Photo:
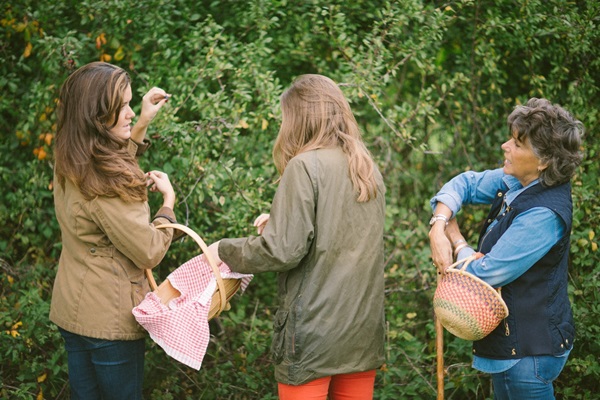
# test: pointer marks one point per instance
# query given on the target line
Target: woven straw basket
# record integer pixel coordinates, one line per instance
(467, 306)
(225, 290)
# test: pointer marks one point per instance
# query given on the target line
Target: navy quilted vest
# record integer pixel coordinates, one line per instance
(540, 320)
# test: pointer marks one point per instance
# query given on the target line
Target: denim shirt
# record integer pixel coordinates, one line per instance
(517, 250)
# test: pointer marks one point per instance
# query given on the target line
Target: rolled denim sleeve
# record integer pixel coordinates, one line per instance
(469, 188)
(530, 236)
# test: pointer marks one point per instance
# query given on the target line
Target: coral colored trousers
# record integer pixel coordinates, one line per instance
(357, 386)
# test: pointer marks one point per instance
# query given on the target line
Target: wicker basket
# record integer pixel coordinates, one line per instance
(225, 290)
(467, 307)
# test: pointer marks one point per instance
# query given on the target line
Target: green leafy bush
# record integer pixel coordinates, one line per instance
(431, 84)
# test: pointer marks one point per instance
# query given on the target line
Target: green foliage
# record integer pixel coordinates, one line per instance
(431, 84)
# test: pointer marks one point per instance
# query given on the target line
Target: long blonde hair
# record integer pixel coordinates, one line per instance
(86, 152)
(316, 115)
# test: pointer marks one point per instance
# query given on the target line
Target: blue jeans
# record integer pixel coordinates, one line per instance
(104, 369)
(530, 379)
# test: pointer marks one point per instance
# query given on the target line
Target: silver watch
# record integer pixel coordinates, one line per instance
(438, 217)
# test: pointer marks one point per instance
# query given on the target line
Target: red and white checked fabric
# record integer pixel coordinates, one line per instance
(181, 327)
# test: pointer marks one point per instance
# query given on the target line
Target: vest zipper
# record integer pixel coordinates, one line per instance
(485, 236)
(506, 208)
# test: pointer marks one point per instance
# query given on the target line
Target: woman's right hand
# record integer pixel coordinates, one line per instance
(441, 248)
(261, 222)
(213, 249)
(159, 182)
(152, 102)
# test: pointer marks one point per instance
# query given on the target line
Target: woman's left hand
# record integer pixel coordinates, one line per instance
(159, 182)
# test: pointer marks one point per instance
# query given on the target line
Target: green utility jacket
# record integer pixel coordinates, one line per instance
(328, 250)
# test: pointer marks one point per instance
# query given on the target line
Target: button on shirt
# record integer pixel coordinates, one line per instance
(530, 236)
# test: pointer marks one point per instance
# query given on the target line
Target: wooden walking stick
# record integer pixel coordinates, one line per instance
(439, 347)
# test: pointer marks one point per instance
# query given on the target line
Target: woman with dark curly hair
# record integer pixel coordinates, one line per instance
(525, 244)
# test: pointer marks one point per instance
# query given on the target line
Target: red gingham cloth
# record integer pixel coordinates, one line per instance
(181, 327)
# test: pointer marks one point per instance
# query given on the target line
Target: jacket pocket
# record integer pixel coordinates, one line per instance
(137, 293)
(564, 338)
(278, 343)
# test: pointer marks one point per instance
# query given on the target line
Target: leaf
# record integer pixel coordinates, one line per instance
(119, 54)
(100, 40)
(27, 51)
(42, 377)
(20, 27)
(41, 155)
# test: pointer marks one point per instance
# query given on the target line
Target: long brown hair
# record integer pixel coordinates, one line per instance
(86, 152)
(317, 115)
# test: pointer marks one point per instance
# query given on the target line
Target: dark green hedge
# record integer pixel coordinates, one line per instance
(431, 84)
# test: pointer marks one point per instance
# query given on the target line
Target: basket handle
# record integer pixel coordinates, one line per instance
(209, 257)
(466, 261)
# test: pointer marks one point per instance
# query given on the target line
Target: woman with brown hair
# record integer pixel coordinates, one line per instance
(100, 196)
(324, 236)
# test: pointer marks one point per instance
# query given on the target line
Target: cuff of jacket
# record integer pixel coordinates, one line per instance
(141, 147)
(165, 213)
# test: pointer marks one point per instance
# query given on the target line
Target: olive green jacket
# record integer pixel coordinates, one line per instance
(328, 250)
(106, 244)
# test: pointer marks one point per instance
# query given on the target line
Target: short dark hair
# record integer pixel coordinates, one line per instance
(554, 135)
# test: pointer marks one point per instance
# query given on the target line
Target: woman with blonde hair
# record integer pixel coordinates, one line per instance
(100, 196)
(324, 236)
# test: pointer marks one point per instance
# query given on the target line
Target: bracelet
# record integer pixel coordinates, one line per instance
(438, 217)
(459, 248)
(459, 241)
(171, 220)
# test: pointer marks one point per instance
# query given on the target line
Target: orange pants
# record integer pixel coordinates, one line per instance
(357, 386)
